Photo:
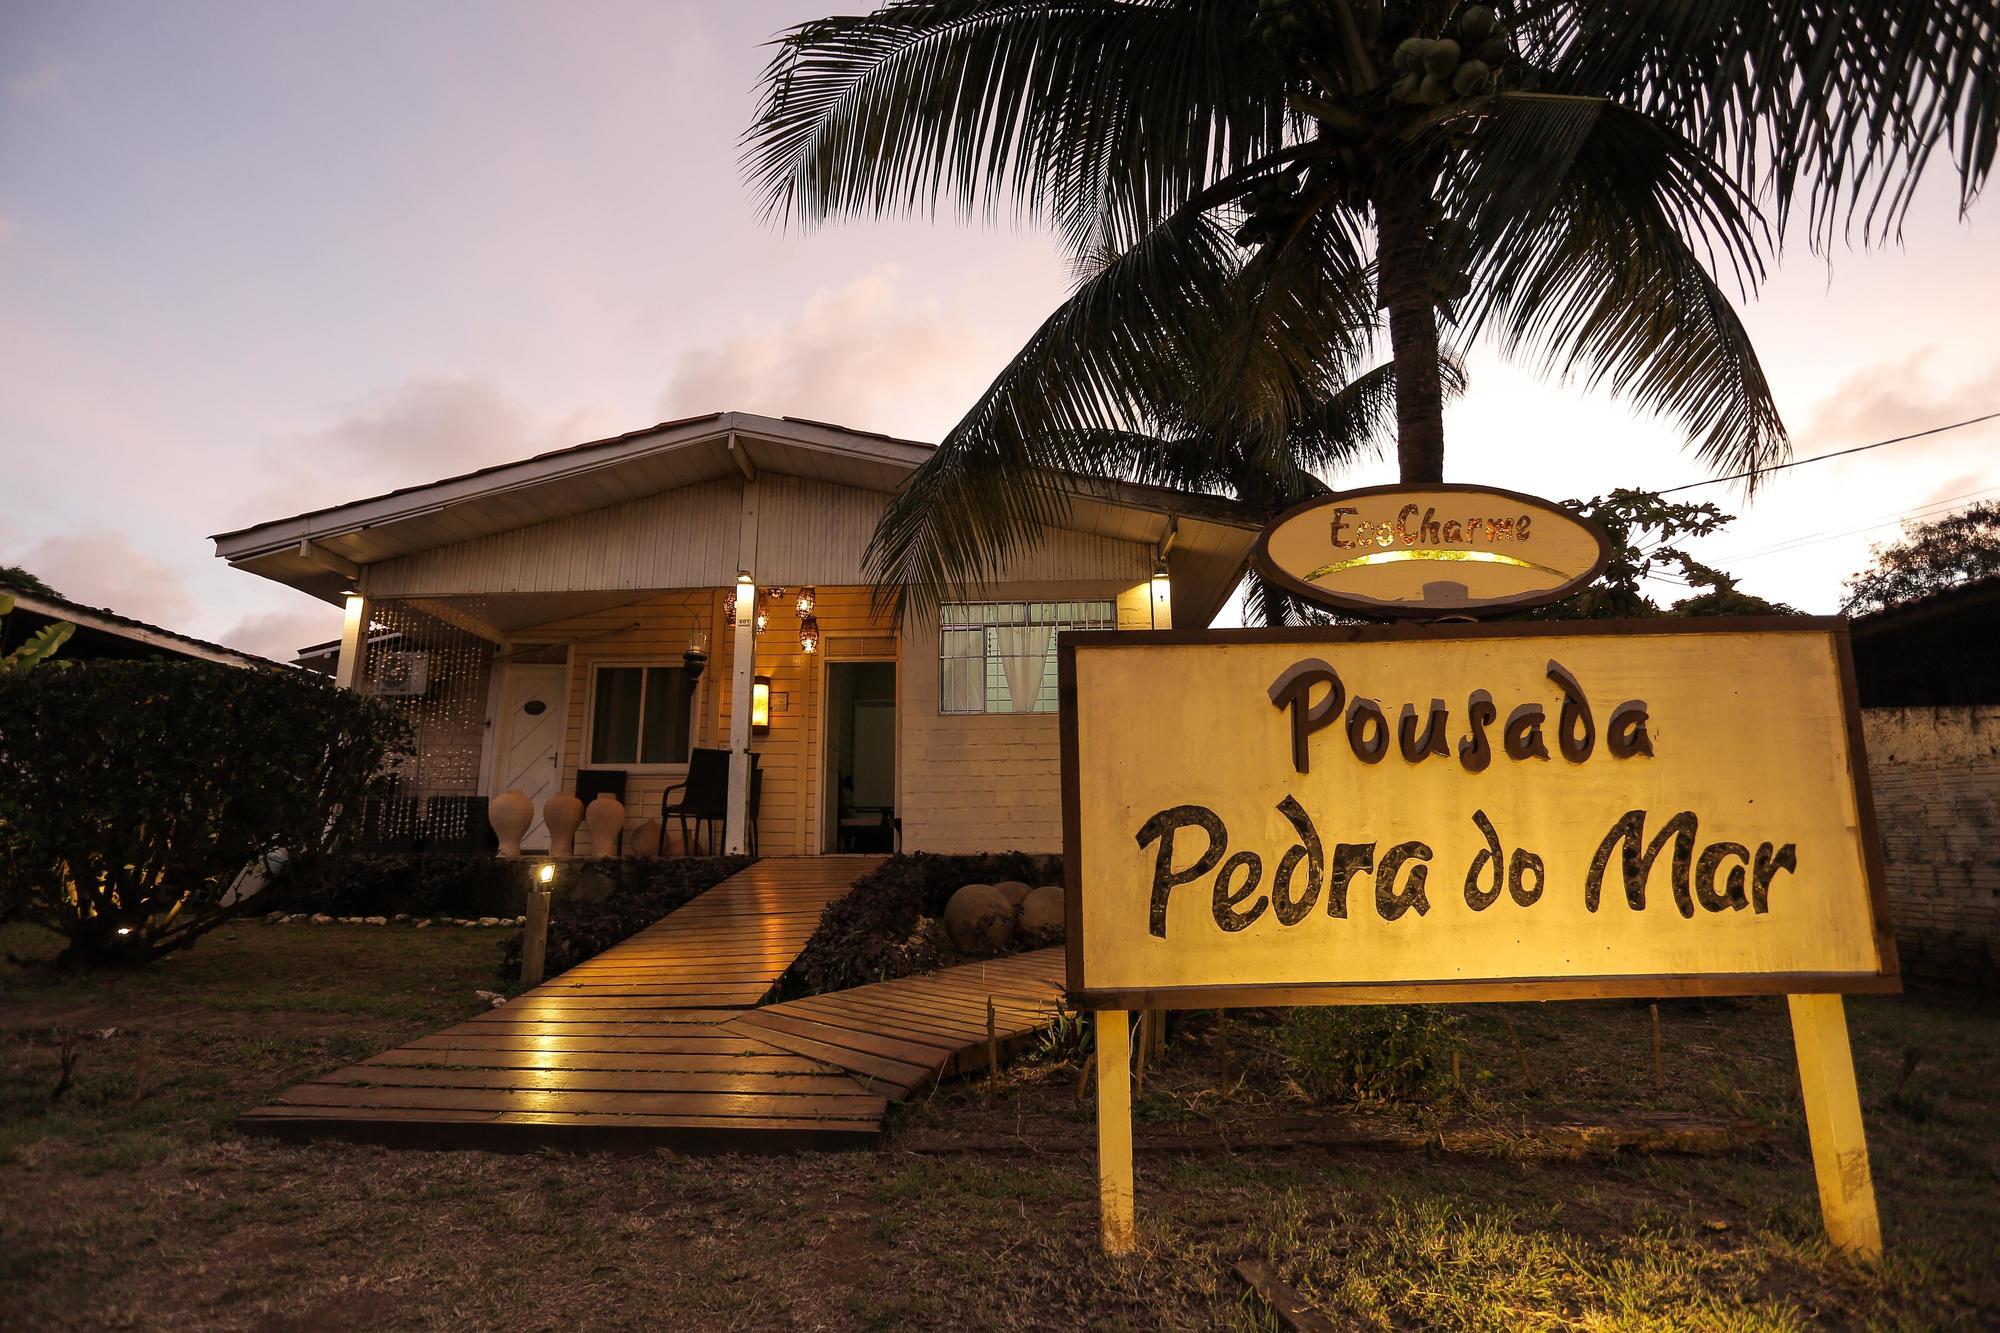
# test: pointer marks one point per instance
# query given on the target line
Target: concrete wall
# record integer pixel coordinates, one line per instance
(1936, 777)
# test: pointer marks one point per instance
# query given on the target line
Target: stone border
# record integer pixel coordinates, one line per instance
(400, 919)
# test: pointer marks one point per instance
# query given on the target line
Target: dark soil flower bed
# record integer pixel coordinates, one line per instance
(886, 926)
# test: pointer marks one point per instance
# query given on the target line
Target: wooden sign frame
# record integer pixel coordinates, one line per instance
(1832, 1101)
(1272, 571)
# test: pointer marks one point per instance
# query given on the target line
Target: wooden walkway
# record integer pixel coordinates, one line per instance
(897, 1036)
(657, 1042)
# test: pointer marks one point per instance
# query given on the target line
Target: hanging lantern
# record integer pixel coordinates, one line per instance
(729, 620)
(808, 598)
(809, 633)
(763, 620)
(775, 592)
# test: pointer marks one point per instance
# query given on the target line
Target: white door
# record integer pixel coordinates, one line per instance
(531, 738)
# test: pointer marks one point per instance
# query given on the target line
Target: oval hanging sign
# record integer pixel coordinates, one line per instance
(1411, 551)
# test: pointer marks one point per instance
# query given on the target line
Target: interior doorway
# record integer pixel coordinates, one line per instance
(860, 786)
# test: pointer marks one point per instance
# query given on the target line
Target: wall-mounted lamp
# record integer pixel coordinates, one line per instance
(809, 633)
(1162, 599)
(808, 599)
(695, 656)
(760, 706)
(740, 607)
(547, 875)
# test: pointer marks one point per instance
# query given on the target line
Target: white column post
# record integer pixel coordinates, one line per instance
(742, 667)
(350, 670)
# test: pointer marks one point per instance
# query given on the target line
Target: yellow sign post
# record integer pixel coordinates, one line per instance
(1435, 813)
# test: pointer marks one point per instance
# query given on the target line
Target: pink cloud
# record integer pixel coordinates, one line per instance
(100, 568)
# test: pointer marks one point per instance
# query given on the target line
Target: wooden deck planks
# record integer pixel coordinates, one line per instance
(658, 1041)
(898, 1033)
(629, 1050)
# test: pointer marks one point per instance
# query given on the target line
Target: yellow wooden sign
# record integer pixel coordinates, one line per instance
(1425, 551)
(1436, 813)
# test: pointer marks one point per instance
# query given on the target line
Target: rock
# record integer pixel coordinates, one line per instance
(489, 920)
(1041, 917)
(400, 918)
(424, 924)
(520, 921)
(979, 918)
(273, 918)
(321, 919)
(375, 920)
(1015, 891)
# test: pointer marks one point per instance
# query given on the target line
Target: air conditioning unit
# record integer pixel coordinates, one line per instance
(402, 673)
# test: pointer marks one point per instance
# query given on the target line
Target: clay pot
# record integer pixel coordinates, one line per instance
(562, 813)
(510, 813)
(646, 839)
(1040, 917)
(979, 919)
(1014, 889)
(606, 816)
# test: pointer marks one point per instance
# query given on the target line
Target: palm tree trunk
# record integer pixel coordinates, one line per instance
(1401, 237)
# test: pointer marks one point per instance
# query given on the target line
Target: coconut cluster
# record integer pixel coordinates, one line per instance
(1437, 69)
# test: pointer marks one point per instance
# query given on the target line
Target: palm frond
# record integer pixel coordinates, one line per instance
(1102, 115)
(1834, 106)
(1592, 231)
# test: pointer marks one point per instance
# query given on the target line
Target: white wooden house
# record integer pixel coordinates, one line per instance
(538, 616)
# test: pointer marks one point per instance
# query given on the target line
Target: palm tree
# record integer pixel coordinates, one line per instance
(1570, 176)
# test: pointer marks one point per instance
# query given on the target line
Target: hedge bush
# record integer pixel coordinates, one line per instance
(872, 932)
(134, 795)
(586, 917)
(385, 883)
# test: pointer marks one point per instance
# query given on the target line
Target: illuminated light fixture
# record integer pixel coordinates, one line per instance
(763, 620)
(695, 656)
(729, 620)
(809, 633)
(776, 592)
(124, 930)
(760, 706)
(746, 599)
(1397, 557)
(1162, 591)
(547, 874)
(808, 599)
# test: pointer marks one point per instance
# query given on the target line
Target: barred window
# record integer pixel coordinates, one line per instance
(1000, 657)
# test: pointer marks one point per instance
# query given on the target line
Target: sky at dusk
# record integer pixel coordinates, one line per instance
(258, 258)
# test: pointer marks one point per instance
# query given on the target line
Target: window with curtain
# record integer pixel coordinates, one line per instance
(639, 715)
(1000, 657)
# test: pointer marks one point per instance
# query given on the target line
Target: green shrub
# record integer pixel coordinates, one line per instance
(1369, 1053)
(599, 903)
(134, 795)
(872, 932)
(386, 883)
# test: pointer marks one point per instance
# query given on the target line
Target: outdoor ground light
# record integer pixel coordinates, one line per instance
(760, 706)
(809, 633)
(547, 874)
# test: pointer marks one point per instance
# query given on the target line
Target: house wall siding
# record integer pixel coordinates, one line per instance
(1936, 779)
(987, 782)
(964, 783)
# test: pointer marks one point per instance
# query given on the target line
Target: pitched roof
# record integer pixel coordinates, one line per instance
(108, 622)
(320, 550)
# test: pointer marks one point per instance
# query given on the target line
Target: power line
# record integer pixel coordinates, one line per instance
(1928, 510)
(1838, 453)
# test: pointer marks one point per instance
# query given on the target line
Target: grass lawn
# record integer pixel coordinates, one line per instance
(131, 1202)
